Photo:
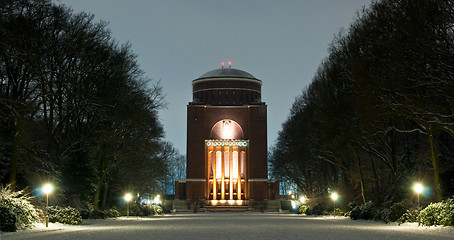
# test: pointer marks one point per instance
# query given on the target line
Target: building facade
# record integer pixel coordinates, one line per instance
(226, 141)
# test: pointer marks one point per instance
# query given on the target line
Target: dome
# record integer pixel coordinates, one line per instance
(226, 87)
(227, 72)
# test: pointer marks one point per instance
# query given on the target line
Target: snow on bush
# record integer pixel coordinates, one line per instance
(16, 211)
(112, 213)
(364, 211)
(440, 213)
(67, 215)
(410, 216)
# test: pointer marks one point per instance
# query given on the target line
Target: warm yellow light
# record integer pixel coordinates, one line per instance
(239, 202)
(418, 188)
(293, 196)
(334, 196)
(227, 130)
(47, 188)
(231, 202)
(157, 200)
(214, 202)
(303, 199)
(128, 197)
(222, 201)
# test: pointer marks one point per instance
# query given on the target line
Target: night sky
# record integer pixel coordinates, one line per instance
(280, 42)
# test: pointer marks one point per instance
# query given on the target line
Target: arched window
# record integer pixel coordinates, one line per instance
(226, 129)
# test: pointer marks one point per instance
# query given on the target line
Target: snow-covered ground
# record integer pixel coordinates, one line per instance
(232, 226)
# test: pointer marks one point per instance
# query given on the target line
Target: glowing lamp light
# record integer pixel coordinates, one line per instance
(418, 188)
(157, 200)
(128, 197)
(303, 199)
(334, 196)
(47, 188)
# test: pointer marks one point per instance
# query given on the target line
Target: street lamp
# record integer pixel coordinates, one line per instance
(127, 198)
(157, 200)
(418, 188)
(334, 197)
(47, 188)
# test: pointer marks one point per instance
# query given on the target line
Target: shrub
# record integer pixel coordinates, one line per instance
(8, 222)
(303, 209)
(112, 213)
(396, 211)
(17, 205)
(441, 213)
(66, 215)
(316, 209)
(411, 215)
(98, 214)
(85, 213)
(157, 210)
(365, 211)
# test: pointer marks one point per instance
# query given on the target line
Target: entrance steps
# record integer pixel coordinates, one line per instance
(227, 208)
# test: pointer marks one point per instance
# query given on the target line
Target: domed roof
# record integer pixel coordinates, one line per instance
(227, 72)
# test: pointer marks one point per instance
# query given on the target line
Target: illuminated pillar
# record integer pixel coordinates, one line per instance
(238, 194)
(230, 174)
(215, 193)
(222, 175)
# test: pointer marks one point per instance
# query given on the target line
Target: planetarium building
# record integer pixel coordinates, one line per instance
(226, 144)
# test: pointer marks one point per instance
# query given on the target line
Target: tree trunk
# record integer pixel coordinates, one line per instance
(363, 192)
(97, 194)
(376, 182)
(434, 159)
(14, 155)
(104, 195)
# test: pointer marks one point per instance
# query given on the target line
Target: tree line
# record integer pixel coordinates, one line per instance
(379, 112)
(76, 109)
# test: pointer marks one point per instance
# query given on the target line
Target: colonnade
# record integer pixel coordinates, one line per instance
(226, 172)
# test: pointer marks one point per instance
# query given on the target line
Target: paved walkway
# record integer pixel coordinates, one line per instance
(232, 226)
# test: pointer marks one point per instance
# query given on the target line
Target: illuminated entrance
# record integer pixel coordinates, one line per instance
(227, 163)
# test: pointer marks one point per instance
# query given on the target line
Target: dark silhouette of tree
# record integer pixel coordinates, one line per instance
(75, 106)
(379, 108)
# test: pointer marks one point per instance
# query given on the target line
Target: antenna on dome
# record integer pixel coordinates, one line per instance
(230, 64)
(222, 65)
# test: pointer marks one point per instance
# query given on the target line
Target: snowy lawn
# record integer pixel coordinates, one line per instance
(232, 226)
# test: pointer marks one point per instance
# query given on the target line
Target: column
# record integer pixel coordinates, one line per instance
(238, 158)
(223, 174)
(213, 160)
(230, 173)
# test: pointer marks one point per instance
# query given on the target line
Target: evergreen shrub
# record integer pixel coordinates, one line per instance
(440, 213)
(15, 207)
(364, 211)
(112, 213)
(67, 215)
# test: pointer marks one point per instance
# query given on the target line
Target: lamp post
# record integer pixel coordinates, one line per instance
(127, 198)
(47, 188)
(418, 188)
(334, 197)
